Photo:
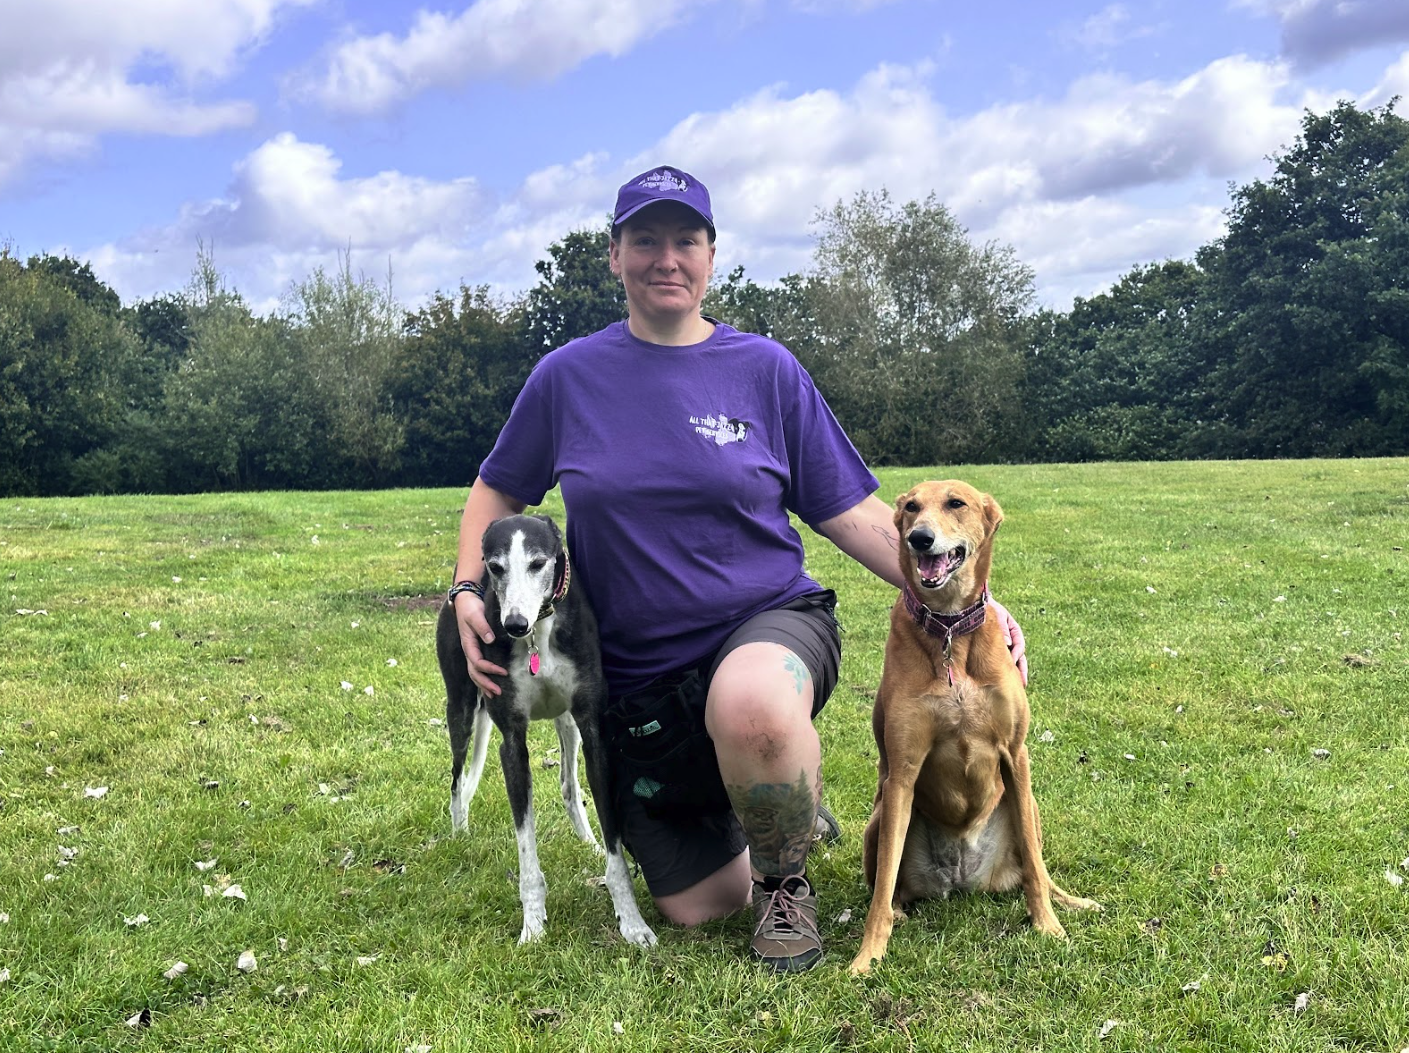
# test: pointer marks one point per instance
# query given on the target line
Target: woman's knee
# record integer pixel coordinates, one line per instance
(723, 893)
(758, 697)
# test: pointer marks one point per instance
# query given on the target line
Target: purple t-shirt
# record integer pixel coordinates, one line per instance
(678, 467)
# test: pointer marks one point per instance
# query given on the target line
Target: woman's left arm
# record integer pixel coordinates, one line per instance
(866, 533)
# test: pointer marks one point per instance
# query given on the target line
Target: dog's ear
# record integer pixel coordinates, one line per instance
(992, 514)
(899, 516)
(553, 526)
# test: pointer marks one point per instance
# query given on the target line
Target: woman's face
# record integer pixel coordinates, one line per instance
(664, 259)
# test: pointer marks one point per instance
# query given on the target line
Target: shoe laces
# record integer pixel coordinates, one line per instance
(785, 914)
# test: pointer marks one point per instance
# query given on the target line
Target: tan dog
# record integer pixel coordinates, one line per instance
(954, 808)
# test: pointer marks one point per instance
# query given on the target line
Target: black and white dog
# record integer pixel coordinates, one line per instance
(545, 635)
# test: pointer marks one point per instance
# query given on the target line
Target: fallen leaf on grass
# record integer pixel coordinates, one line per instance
(1357, 661)
(4, 976)
(617, 1029)
(142, 1019)
(135, 921)
(1393, 878)
(95, 792)
(844, 916)
(1219, 870)
(246, 962)
(206, 864)
(1107, 1028)
(177, 969)
(367, 959)
(4, 918)
(1192, 987)
(1302, 1000)
(234, 892)
(1321, 754)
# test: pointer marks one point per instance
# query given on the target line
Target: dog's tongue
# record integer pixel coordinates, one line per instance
(934, 567)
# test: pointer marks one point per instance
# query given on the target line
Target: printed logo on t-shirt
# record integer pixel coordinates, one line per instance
(722, 428)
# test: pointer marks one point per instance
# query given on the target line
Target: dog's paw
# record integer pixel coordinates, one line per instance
(532, 929)
(639, 934)
(1050, 926)
(861, 964)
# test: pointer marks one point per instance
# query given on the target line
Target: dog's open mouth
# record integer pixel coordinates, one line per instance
(935, 570)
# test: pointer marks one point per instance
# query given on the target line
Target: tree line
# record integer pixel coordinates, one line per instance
(1286, 337)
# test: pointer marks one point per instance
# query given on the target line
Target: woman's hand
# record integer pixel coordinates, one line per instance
(474, 627)
(1012, 636)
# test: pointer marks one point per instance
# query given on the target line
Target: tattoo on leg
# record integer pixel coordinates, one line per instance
(777, 819)
(795, 665)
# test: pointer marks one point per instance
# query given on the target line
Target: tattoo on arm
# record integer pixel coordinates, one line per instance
(891, 538)
(777, 819)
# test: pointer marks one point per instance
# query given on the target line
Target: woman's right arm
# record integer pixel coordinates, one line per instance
(484, 505)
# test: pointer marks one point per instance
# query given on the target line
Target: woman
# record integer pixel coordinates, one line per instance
(681, 445)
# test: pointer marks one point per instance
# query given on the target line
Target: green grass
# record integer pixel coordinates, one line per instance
(1196, 631)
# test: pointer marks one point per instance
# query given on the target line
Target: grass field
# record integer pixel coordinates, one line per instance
(205, 693)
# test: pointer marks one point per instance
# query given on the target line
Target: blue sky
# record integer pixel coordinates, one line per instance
(454, 144)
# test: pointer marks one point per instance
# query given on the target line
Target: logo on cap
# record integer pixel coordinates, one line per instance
(664, 179)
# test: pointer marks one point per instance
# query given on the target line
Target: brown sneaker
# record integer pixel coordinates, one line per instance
(825, 830)
(785, 936)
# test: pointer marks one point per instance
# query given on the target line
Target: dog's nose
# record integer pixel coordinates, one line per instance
(921, 539)
(516, 625)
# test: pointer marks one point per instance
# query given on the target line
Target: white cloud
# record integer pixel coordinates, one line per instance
(1083, 187)
(1009, 173)
(289, 210)
(1395, 82)
(72, 70)
(1108, 28)
(518, 39)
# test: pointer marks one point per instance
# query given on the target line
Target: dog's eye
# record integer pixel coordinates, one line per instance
(912, 506)
(956, 502)
(495, 568)
(536, 565)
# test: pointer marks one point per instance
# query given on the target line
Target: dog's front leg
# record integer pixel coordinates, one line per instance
(518, 783)
(1037, 884)
(895, 799)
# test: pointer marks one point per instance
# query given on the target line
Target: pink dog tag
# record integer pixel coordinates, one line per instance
(533, 662)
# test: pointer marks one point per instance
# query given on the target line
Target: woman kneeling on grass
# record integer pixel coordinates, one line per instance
(680, 445)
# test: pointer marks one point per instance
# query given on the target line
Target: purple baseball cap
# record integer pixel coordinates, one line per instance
(662, 184)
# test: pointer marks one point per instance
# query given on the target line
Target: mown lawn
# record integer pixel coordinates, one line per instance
(208, 692)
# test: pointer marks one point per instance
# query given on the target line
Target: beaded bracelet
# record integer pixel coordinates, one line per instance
(464, 586)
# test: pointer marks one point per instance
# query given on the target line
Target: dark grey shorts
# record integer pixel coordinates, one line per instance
(680, 851)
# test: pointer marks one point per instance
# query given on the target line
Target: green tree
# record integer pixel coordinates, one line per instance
(243, 410)
(1308, 305)
(457, 374)
(1120, 376)
(576, 294)
(915, 338)
(62, 352)
(348, 333)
